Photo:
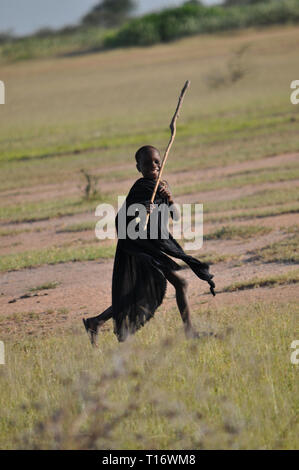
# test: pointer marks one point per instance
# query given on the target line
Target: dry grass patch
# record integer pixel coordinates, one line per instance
(158, 391)
(291, 277)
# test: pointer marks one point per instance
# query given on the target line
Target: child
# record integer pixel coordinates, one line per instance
(142, 267)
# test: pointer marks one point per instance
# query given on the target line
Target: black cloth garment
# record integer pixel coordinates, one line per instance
(140, 265)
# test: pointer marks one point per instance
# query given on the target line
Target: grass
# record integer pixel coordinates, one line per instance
(253, 177)
(55, 255)
(261, 198)
(284, 251)
(52, 44)
(256, 214)
(212, 131)
(79, 227)
(211, 257)
(158, 391)
(231, 232)
(291, 277)
(214, 257)
(37, 211)
(67, 132)
(11, 232)
(45, 286)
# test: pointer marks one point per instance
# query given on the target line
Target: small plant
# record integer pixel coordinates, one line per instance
(63, 311)
(46, 286)
(236, 70)
(236, 66)
(90, 189)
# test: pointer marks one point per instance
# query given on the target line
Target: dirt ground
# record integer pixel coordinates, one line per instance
(84, 288)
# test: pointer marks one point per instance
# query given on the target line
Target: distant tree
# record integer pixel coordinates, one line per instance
(244, 2)
(6, 36)
(193, 2)
(109, 13)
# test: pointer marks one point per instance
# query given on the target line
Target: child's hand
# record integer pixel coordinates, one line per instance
(164, 190)
(149, 207)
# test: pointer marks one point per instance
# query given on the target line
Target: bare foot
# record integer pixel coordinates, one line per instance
(91, 330)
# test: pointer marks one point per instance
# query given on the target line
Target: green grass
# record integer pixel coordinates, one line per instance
(90, 125)
(45, 286)
(158, 391)
(253, 177)
(214, 257)
(258, 199)
(55, 44)
(35, 211)
(212, 131)
(18, 318)
(256, 214)
(291, 277)
(284, 251)
(231, 232)
(55, 255)
(79, 227)
(211, 257)
(11, 232)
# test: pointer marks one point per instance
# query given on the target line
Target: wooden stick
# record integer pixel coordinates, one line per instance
(173, 133)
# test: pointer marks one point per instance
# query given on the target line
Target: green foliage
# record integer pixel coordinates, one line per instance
(167, 25)
(109, 13)
(244, 2)
(192, 18)
(51, 43)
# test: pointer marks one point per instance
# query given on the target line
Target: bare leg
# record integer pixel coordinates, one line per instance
(93, 324)
(180, 284)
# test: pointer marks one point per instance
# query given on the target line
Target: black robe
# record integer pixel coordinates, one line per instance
(138, 281)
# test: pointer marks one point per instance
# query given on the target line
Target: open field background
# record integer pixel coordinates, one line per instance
(236, 152)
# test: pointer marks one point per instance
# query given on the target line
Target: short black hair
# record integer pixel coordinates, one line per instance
(145, 150)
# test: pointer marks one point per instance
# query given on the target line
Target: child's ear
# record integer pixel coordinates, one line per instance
(137, 166)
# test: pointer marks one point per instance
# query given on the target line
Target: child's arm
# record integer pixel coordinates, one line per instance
(165, 192)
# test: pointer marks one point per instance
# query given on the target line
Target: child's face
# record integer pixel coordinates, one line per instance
(150, 165)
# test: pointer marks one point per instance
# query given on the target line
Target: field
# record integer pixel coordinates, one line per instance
(236, 152)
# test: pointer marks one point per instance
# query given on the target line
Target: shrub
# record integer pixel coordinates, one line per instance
(190, 18)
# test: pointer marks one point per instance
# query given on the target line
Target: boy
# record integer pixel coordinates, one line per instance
(142, 267)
